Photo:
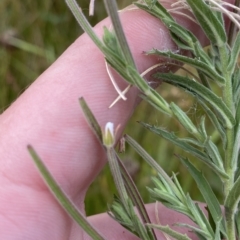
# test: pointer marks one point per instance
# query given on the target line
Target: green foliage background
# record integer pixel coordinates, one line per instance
(46, 29)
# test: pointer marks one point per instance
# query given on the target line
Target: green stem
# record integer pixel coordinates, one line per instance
(229, 166)
(230, 224)
(83, 22)
(117, 176)
(111, 7)
(228, 99)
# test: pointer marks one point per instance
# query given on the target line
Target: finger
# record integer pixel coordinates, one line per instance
(48, 116)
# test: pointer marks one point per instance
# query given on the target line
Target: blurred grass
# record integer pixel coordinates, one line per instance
(41, 33)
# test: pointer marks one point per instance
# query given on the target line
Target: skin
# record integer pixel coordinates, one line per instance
(48, 116)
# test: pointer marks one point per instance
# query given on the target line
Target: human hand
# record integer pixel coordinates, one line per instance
(47, 116)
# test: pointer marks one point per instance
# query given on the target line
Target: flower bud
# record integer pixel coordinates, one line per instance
(109, 135)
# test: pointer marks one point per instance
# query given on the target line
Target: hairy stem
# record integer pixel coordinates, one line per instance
(229, 166)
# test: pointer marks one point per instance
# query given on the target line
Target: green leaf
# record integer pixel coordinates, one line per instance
(117, 64)
(237, 220)
(164, 193)
(117, 177)
(112, 10)
(214, 154)
(205, 220)
(202, 92)
(234, 54)
(162, 185)
(195, 62)
(197, 215)
(164, 197)
(233, 198)
(206, 190)
(157, 10)
(157, 101)
(126, 218)
(135, 196)
(62, 198)
(118, 212)
(187, 40)
(202, 129)
(151, 94)
(196, 230)
(91, 120)
(236, 85)
(166, 229)
(151, 162)
(235, 151)
(83, 22)
(213, 28)
(185, 121)
(180, 35)
(214, 121)
(110, 41)
(187, 148)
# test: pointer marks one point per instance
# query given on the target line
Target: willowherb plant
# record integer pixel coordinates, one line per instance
(217, 68)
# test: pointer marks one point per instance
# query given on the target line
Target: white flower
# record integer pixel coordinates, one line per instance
(109, 135)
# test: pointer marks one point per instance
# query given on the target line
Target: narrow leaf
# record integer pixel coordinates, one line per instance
(213, 28)
(118, 212)
(110, 41)
(196, 214)
(83, 22)
(206, 190)
(234, 54)
(196, 230)
(233, 198)
(201, 91)
(117, 177)
(187, 148)
(135, 195)
(185, 121)
(236, 85)
(62, 198)
(157, 102)
(91, 120)
(164, 197)
(237, 138)
(157, 10)
(214, 154)
(151, 162)
(205, 220)
(237, 220)
(214, 121)
(112, 10)
(195, 62)
(166, 229)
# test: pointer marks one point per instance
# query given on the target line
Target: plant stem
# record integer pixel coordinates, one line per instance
(117, 176)
(228, 99)
(229, 166)
(83, 22)
(112, 10)
(230, 224)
